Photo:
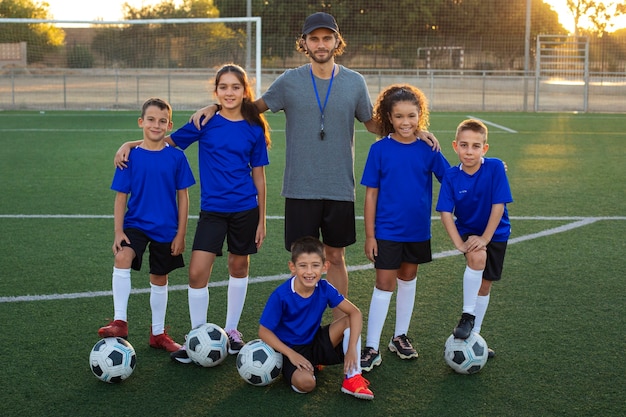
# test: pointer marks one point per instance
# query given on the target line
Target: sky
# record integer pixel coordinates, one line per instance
(112, 10)
(93, 9)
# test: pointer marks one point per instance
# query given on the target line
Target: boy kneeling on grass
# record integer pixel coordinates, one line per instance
(291, 324)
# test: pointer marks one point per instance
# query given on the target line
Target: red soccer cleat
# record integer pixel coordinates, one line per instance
(358, 387)
(164, 341)
(115, 328)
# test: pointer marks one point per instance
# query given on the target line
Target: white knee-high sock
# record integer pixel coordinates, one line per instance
(158, 304)
(482, 302)
(198, 299)
(237, 289)
(346, 344)
(471, 284)
(120, 283)
(379, 306)
(405, 301)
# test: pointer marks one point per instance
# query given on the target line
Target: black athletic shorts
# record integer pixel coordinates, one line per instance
(392, 254)
(319, 352)
(495, 259)
(161, 260)
(238, 228)
(333, 219)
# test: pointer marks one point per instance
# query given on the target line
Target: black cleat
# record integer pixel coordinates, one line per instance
(463, 330)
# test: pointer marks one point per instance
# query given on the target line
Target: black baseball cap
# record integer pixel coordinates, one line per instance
(319, 20)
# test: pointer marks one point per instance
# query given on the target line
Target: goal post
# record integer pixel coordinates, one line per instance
(562, 62)
(109, 64)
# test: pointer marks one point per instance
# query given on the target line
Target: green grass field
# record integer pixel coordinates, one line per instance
(554, 319)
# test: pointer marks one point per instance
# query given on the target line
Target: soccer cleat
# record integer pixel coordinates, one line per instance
(180, 356)
(115, 328)
(402, 346)
(490, 353)
(164, 341)
(357, 386)
(465, 326)
(370, 358)
(235, 341)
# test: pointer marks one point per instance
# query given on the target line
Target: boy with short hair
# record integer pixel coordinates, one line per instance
(151, 210)
(291, 324)
(476, 191)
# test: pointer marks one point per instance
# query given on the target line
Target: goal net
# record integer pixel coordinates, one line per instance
(49, 64)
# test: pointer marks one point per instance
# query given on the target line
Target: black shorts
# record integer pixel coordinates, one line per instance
(334, 219)
(392, 254)
(161, 260)
(319, 352)
(495, 260)
(238, 228)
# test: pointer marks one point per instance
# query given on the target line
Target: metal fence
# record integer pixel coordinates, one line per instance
(447, 90)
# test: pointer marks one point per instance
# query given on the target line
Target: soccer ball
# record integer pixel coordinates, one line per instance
(112, 359)
(207, 345)
(466, 356)
(259, 364)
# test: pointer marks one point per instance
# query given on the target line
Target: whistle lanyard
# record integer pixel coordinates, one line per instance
(317, 96)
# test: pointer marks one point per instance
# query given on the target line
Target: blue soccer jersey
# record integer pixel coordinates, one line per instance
(470, 197)
(295, 319)
(152, 179)
(227, 152)
(403, 174)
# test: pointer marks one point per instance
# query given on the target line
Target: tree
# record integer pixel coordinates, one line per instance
(599, 13)
(579, 8)
(40, 38)
(172, 45)
(493, 27)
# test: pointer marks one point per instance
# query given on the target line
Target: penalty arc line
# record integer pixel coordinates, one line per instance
(93, 294)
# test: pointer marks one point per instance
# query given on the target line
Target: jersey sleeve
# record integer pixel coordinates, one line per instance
(274, 96)
(186, 135)
(121, 179)
(445, 201)
(440, 166)
(259, 152)
(501, 188)
(184, 175)
(270, 317)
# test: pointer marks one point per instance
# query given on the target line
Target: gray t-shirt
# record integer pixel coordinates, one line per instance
(315, 168)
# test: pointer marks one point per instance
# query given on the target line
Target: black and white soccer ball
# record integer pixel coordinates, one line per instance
(112, 359)
(207, 345)
(466, 356)
(259, 364)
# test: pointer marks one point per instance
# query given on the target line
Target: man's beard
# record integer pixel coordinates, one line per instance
(328, 57)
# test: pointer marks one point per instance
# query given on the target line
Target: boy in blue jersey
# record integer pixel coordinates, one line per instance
(291, 324)
(232, 155)
(151, 209)
(476, 192)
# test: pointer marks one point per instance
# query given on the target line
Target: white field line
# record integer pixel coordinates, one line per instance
(506, 129)
(110, 216)
(576, 223)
